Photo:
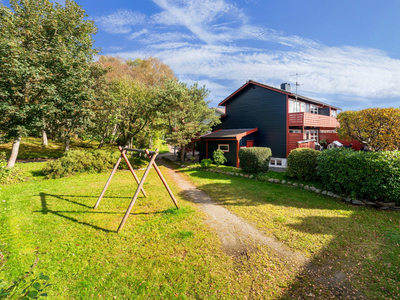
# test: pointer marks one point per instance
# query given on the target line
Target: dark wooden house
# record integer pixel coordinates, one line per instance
(259, 115)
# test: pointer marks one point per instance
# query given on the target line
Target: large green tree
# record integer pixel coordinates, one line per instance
(186, 112)
(45, 54)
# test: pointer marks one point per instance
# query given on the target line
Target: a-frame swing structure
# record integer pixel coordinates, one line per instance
(152, 156)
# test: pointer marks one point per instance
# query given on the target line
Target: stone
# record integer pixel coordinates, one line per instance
(307, 187)
(390, 204)
(283, 181)
(237, 174)
(241, 174)
(383, 207)
(318, 191)
(324, 192)
(357, 202)
(271, 180)
(396, 207)
(370, 203)
(312, 188)
(330, 194)
(246, 176)
(336, 196)
(295, 184)
(301, 185)
(348, 200)
(277, 180)
(288, 183)
(251, 176)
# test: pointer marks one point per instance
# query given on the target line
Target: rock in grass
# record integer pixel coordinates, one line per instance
(251, 176)
(301, 185)
(283, 181)
(357, 202)
(277, 180)
(288, 183)
(307, 187)
(317, 191)
(330, 194)
(348, 200)
(324, 192)
(312, 188)
(271, 180)
(295, 184)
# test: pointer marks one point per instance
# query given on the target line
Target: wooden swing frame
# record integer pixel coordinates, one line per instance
(152, 156)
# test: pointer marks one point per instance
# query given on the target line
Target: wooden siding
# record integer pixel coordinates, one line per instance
(253, 107)
(293, 138)
(314, 120)
(310, 144)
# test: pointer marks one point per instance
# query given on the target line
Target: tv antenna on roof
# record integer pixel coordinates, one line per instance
(297, 83)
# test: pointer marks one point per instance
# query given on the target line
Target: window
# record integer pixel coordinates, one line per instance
(308, 107)
(294, 106)
(272, 162)
(333, 113)
(314, 109)
(311, 135)
(223, 147)
(303, 106)
(294, 130)
(328, 131)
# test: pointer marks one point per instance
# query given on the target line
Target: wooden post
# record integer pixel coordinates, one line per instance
(137, 191)
(130, 168)
(108, 182)
(163, 180)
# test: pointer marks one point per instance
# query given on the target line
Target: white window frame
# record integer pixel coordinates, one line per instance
(311, 134)
(333, 113)
(313, 109)
(219, 147)
(294, 106)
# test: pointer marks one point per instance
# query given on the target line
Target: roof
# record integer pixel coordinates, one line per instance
(229, 133)
(292, 95)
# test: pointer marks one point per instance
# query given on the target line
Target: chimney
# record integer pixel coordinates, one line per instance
(286, 87)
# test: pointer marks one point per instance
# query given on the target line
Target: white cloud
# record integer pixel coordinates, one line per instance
(202, 43)
(120, 21)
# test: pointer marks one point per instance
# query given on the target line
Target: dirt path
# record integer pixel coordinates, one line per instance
(237, 236)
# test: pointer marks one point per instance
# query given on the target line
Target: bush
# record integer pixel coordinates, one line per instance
(4, 172)
(219, 157)
(302, 164)
(79, 161)
(205, 163)
(371, 175)
(255, 159)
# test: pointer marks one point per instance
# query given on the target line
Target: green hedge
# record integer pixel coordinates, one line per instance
(79, 161)
(302, 164)
(255, 159)
(371, 175)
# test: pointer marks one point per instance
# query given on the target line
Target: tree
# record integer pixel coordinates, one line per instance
(186, 112)
(45, 54)
(377, 128)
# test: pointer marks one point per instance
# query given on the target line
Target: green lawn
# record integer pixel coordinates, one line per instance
(164, 253)
(361, 242)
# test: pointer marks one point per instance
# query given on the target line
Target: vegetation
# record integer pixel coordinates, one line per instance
(255, 159)
(377, 128)
(219, 157)
(370, 175)
(205, 163)
(186, 112)
(45, 53)
(358, 244)
(302, 164)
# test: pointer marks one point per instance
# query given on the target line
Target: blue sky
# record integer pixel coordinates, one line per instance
(348, 50)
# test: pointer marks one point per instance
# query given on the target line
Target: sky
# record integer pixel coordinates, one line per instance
(347, 51)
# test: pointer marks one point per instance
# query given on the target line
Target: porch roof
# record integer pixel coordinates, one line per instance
(236, 134)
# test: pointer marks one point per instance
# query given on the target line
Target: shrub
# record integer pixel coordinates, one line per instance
(255, 159)
(205, 163)
(372, 175)
(219, 157)
(79, 161)
(302, 164)
(4, 172)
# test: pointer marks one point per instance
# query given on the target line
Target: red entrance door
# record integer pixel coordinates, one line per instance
(249, 144)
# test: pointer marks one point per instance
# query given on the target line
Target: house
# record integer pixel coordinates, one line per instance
(260, 115)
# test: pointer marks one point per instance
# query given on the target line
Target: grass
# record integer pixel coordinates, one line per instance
(31, 148)
(360, 242)
(161, 253)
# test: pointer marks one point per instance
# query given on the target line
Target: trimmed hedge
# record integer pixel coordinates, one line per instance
(302, 164)
(371, 175)
(79, 161)
(255, 159)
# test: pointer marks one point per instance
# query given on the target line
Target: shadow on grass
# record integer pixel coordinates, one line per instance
(361, 257)
(59, 213)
